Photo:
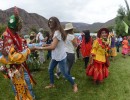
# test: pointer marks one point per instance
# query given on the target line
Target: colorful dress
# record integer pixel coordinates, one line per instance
(113, 52)
(14, 65)
(99, 68)
(125, 47)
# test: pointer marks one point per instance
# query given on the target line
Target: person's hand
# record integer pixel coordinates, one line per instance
(33, 49)
(44, 45)
(39, 48)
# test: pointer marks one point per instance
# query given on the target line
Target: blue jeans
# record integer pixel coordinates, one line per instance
(27, 79)
(63, 68)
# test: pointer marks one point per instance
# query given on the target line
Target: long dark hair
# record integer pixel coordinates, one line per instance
(57, 27)
(87, 35)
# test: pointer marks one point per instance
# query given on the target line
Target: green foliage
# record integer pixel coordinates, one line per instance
(123, 15)
(110, 28)
(119, 27)
(33, 62)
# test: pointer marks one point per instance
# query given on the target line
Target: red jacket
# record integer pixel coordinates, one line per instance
(86, 47)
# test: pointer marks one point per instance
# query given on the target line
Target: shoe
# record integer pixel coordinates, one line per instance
(50, 86)
(57, 76)
(73, 78)
(75, 88)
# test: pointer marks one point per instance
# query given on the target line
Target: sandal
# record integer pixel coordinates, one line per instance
(50, 86)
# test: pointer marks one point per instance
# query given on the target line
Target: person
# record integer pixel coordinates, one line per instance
(113, 52)
(120, 39)
(48, 42)
(124, 47)
(71, 43)
(33, 37)
(34, 54)
(117, 44)
(14, 56)
(41, 41)
(99, 63)
(86, 46)
(58, 52)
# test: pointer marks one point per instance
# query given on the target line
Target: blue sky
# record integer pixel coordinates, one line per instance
(87, 11)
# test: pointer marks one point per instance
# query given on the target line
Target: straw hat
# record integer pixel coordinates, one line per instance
(68, 26)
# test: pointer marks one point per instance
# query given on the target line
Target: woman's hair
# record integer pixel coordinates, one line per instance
(57, 27)
(87, 35)
(47, 34)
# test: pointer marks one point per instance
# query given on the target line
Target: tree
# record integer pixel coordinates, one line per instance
(123, 15)
(110, 28)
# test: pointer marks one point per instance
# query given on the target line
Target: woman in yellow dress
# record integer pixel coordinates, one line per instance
(99, 63)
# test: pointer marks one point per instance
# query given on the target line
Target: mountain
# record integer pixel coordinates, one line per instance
(33, 20)
(30, 20)
(92, 27)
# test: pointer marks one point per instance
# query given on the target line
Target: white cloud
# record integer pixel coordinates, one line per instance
(88, 11)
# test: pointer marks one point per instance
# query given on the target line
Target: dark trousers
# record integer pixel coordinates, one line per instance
(117, 47)
(86, 60)
(48, 54)
(70, 61)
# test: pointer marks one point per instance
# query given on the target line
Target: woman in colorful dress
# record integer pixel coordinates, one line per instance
(124, 47)
(86, 46)
(113, 52)
(13, 58)
(99, 63)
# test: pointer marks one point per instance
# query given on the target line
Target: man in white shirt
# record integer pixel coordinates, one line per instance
(40, 40)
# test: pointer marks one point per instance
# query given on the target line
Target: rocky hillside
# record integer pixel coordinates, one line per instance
(92, 27)
(29, 19)
(34, 20)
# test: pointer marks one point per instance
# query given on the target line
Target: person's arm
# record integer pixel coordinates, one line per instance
(52, 46)
(12, 55)
(45, 39)
(74, 41)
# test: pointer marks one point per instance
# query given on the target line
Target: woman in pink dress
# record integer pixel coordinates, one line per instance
(124, 47)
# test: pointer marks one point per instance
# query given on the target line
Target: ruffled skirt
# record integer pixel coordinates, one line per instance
(97, 70)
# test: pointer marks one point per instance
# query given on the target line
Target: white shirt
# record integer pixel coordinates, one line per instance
(59, 52)
(69, 44)
(120, 39)
(40, 38)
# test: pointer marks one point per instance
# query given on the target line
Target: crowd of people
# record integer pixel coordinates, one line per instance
(61, 45)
